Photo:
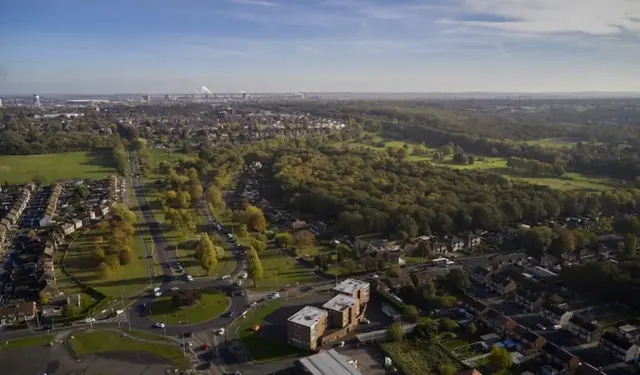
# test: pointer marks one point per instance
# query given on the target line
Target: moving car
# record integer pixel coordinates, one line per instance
(243, 275)
(220, 332)
(157, 294)
(188, 277)
(175, 288)
(225, 277)
(160, 325)
(229, 314)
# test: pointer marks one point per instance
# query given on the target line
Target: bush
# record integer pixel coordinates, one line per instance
(186, 297)
(125, 257)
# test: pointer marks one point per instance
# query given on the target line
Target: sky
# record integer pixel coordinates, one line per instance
(176, 46)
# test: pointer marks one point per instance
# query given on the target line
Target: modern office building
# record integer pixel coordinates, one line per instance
(355, 288)
(343, 311)
(305, 327)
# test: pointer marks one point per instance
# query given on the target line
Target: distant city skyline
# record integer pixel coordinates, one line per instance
(164, 46)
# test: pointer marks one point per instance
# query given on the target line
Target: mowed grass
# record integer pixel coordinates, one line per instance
(210, 306)
(82, 263)
(26, 342)
(18, 169)
(261, 348)
(281, 270)
(94, 342)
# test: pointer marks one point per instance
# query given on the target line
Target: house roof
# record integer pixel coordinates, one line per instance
(557, 352)
(474, 303)
(583, 323)
(528, 294)
(481, 271)
(619, 341)
(555, 309)
(527, 334)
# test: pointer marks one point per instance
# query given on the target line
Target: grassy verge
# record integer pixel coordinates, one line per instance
(208, 307)
(108, 341)
(82, 264)
(16, 169)
(26, 342)
(145, 335)
(261, 348)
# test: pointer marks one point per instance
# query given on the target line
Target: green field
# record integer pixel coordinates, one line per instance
(280, 270)
(17, 169)
(210, 306)
(93, 342)
(25, 342)
(498, 165)
(260, 347)
(82, 264)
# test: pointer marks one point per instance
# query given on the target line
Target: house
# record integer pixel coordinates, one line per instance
(298, 224)
(530, 343)
(473, 306)
(469, 372)
(480, 275)
(398, 282)
(17, 313)
(557, 314)
(67, 229)
(583, 328)
(619, 347)
(473, 240)
(502, 284)
(92, 214)
(48, 252)
(560, 358)
(456, 244)
(440, 248)
(528, 299)
(498, 322)
(77, 223)
(631, 332)
(46, 220)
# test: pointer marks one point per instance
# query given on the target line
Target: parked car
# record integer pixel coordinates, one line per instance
(160, 325)
(225, 277)
(220, 332)
(157, 294)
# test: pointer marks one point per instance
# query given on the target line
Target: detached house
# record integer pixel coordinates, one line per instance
(619, 347)
(67, 229)
(20, 312)
(582, 328)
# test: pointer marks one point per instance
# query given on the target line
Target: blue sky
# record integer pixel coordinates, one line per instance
(156, 46)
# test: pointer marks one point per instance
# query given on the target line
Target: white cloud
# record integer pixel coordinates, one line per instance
(308, 49)
(591, 17)
(261, 3)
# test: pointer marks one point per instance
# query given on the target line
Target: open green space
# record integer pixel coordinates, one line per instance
(145, 335)
(69, 287)
(82, 264)
(210, 306)
(261, 348)
(281, 270)
(498, 165)
(93, 342)
(17, 169)
(415, 357)
(25, 342)
(455, 344)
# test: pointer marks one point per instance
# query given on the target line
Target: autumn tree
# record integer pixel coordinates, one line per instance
(242, 231)
(254, 218)
(304, 238)
(500, 359)
(284, 239)
(206, 253)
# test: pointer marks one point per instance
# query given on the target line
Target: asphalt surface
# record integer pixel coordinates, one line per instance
(166, 256)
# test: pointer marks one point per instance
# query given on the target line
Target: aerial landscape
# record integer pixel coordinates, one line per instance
(336, 187)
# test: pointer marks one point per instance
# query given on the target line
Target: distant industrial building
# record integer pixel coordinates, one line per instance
(0, 103)
(36, 100)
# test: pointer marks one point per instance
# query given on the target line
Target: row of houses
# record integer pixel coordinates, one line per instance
(12, 215)
(52, 206)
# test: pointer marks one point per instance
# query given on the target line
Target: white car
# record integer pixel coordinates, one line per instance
(156, 289)
(118, 312)
(366, 321)
(253, 304)
(189, 278)
(243, 275)
(174, 288)
(274, 295)
(220, 332)
(90, 320)
(238, 283)
(160, 325)
(225, 277)
(157, 294)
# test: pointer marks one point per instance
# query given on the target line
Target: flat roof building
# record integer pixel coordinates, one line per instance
(343, 310)
(355, 288)
(327, 362)
(305, 327)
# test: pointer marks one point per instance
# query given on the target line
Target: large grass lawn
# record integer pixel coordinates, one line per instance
(280, 270)
(82, 264)
(93, 342)
(26, 342)
(16, 169)
(261, 348)
(209, 306)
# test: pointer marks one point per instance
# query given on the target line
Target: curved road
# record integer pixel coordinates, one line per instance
(166, 257)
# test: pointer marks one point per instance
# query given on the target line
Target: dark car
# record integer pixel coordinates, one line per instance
(187, 334)
(229, 314)
(238, 293)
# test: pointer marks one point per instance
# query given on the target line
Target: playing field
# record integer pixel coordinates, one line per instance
(16, 169)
